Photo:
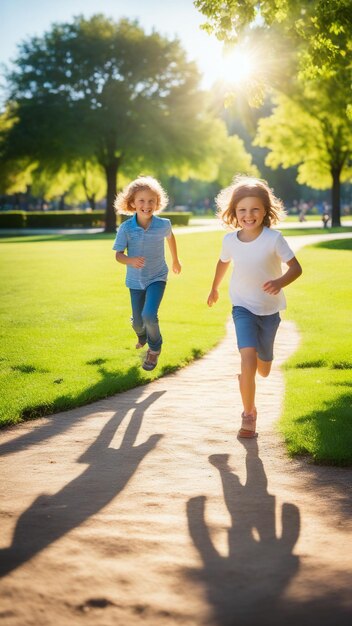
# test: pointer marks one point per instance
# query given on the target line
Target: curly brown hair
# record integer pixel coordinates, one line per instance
(123, 201)
(244, 187)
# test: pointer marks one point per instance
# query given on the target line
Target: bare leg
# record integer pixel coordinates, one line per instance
(247, 379)
(263, 367)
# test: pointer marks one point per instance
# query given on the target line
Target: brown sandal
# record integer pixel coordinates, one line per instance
(247, 429)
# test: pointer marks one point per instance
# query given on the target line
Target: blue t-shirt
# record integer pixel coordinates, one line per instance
(147, 243)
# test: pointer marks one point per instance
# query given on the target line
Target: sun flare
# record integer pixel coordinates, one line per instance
(238, 66)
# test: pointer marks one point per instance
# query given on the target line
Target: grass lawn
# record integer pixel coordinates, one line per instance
(317, 417)
(314, 218)
(290, 218)
(299, 232)
(66, 338)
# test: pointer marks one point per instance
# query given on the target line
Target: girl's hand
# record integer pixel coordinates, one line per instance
(137, 261)
(176, 267)
(213, 297)
(272, 287)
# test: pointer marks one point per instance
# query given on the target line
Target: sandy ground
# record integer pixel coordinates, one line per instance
(145, 508)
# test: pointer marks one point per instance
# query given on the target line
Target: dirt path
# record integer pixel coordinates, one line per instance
(146, 509)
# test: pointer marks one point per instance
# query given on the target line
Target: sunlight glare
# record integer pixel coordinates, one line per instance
(237, 66)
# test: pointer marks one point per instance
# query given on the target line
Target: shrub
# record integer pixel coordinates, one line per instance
(12, 219)
(65, 219)
(72, 219)
(176, 218)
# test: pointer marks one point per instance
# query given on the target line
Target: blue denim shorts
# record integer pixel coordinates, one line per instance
(256, 331)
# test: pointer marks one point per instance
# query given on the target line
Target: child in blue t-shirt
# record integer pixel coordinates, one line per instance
(143, 237)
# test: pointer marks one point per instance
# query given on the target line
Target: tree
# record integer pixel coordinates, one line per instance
(314, 138)
(105, 91)
(49, 185)
(15, 172)
(317, 24)
(226, 158)
(319, 34)
(89, 183)
(235, 160)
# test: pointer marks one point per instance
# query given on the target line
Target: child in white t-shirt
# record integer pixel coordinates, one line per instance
(257, 280)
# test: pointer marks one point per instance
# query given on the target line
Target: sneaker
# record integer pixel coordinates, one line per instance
(151, 360)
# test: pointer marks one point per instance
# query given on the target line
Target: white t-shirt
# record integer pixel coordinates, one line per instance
(254, 263)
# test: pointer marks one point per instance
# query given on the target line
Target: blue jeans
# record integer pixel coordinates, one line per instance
(145, 305)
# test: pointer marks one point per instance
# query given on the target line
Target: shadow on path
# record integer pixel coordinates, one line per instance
(246, 586)
(51, 516)
(248, 582)
(55, 425)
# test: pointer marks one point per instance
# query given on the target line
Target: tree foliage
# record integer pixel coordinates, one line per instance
(89, 183)
(311, 123)
(318, 24)
(100, 91)
(225, 155)
(320, 143)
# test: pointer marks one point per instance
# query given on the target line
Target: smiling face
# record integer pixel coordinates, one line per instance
(145, 202)
(250, 213)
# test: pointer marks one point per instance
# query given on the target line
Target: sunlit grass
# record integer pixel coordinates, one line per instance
(314, 218)
(66, 337)
(299, 232)
(317, 417)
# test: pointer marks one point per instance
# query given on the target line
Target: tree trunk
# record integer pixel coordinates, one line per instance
(16, 202)
(111, 170)
(62, 202)
(92, 203)
(26, 198)
(335, 197)
(90, 198)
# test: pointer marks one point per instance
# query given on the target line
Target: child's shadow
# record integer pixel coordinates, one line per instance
(51, 516)
(248, 582)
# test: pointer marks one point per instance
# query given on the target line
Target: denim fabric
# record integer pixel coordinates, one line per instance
(256, 331)
(145, 305)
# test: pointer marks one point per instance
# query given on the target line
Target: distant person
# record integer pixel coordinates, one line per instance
(257, 252)
(143, 237)
(303, 208)
(320, 207)
(325, 218)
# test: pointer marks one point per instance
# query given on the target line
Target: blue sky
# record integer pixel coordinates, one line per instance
(21, 19)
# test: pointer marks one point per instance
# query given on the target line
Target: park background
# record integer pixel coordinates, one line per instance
(108, 93)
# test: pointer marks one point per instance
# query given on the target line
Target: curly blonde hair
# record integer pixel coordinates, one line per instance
(244, 187)
(123, 201)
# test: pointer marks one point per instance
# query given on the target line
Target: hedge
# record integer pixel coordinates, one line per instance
(71, 219)
(51, 219)
(65, 219)
(176, 219)
(12, 219)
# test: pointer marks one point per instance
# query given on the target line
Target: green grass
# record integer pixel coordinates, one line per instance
(66, 338)
(313, 218)
(317, 418)
(299, 232)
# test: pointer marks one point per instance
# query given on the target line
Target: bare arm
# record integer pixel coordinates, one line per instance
(176, 265)
(294, 271)
(220, 272)
(134, 261)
